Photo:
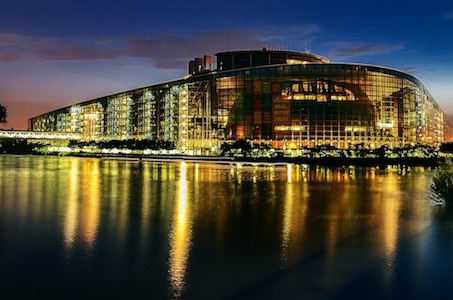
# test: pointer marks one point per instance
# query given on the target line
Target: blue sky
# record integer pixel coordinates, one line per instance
(55, 53)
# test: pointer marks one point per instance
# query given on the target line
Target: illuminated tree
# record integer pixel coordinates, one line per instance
(3, 114)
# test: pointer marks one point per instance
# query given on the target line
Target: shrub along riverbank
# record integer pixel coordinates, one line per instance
(443, 180)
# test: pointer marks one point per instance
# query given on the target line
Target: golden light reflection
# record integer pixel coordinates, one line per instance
(289, 172)
(341, 211)
(116, 177)
(390, 218)
(287, 221)
(70, 224)
(239, 173)
(146, 204)
(24, 185)
(255, 175)
(122, 186)
(180, 236)
(89, 211)
(294, 219)
(83, 205)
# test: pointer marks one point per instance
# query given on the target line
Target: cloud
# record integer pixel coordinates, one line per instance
(164, 50)
(169, 51)
(348, 50)
(58, 50)
(48, 48)
(9, 57)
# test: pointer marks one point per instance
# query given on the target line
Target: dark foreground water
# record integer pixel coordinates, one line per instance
(102, 229)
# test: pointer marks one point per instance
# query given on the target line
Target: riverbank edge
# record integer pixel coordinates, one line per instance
(322, 161)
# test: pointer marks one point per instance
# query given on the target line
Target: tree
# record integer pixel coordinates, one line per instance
(3, 114)
(443, 180)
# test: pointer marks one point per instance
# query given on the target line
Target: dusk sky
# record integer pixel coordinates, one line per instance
(56, 53)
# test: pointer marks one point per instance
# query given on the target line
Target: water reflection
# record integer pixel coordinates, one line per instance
(294, 209)
(289, 172)
(192, 223)
(83, 203)
(180, 236)
(146, 207)
(287, 223)
(118, 195)
(70, 224)
(90, 203)
(390, 202)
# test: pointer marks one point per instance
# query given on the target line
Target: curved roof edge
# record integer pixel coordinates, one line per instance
(289, 52)
(190, 77)
(231, 60)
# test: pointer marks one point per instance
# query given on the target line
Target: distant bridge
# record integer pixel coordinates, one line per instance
(38, 135)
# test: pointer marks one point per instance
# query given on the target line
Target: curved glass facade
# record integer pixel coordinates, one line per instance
(289, 105)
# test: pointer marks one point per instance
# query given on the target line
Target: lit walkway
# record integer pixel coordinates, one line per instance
(24, 134)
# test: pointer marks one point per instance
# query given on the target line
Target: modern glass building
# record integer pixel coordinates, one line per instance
(283, 98)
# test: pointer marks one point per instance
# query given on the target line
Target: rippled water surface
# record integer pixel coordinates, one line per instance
(81, 227)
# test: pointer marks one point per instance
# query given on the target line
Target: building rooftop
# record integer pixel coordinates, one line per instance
(254, 58)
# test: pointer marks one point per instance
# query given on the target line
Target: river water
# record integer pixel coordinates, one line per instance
(109, 229)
